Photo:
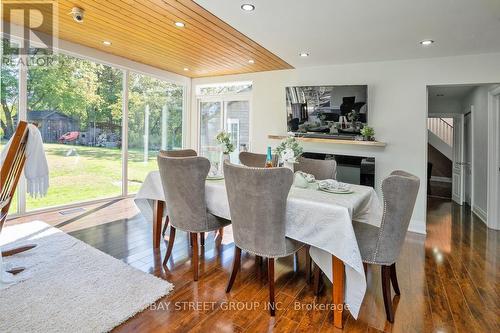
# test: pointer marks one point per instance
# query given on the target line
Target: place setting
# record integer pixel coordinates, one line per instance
(308, 181)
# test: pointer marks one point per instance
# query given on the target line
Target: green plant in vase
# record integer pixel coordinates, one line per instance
(224, 140)
(288, 151)
(368, 133)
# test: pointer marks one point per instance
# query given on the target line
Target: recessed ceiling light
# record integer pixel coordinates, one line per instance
(179, 24)
(186, 69)
(107, 43)
(248, 7)
(304, 54)
(427, 42)
(251, 61)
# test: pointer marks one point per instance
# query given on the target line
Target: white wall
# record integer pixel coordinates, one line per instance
(445, 106)
(479, 99)
(397, 106)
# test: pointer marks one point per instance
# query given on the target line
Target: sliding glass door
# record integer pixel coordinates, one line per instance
(238, 125)
(210, 125)
(225, 107)
(230, 116)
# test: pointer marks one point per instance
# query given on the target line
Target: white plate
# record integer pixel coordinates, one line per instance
(215, 177)
(336, 191)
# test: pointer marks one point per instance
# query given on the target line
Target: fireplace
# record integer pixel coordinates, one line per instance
(350, 169)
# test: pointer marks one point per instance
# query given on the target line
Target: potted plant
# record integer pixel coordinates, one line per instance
(368, 133)
(288, 151)
(224, 141)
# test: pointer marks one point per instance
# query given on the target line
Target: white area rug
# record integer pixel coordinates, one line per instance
(69, 286)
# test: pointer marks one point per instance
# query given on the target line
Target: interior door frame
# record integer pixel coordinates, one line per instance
(458, 119)
(470, 111)
(493, 208)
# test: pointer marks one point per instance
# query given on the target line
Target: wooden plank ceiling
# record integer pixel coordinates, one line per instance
(145, 31)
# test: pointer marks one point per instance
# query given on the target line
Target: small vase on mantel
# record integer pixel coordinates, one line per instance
(288, 165)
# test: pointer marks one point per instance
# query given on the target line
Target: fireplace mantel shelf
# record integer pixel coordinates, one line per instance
(334, 141)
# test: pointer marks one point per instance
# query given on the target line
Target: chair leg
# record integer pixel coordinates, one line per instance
(171, 239)
(259, 260)
(308, 265)
(194, 241)
(221, 233)
(236, 268)
(296, 261)
(17, 250)
(365, 267)
(394, 279)
(317, 278)
(165, 225)
(270, 276)
(202, 238)
(386, 291)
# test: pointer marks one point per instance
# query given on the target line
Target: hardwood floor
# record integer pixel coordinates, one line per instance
(449, 281)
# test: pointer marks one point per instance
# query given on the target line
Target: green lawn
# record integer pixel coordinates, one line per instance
(79, 173)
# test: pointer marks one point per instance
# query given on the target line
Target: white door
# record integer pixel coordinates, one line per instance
(457, 193)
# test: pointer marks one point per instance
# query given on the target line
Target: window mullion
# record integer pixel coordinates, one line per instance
(125, 85)
(22, 115)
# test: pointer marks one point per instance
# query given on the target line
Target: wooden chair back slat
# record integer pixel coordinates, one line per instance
(11, 185)
(12, 168)
(11, 177)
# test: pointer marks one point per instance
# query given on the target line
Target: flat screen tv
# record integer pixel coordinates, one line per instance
(327, 110)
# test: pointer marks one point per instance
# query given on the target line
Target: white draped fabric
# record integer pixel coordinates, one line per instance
(320, 219)
(36, 169)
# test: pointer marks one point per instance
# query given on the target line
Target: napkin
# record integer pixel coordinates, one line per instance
(331, 184)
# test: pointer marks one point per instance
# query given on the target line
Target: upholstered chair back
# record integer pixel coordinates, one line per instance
(321, 169)
(255, 160)
(257, 202)
(178, 153)
(400, 191)
(183, 180)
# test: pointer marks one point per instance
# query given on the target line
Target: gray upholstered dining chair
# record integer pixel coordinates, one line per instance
(184, 177)
(382, 245)
(177, 153)
(321, 169)
(255, 160)
(263, 192)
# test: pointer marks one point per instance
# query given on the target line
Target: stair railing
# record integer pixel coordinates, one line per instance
(442, 129)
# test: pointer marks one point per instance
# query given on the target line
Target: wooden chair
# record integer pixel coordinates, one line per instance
(10, 173)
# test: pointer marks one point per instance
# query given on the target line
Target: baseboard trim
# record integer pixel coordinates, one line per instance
(441, 179)
(480, 213)
(418, 227)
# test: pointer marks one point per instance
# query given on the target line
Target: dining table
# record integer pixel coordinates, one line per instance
(321, 219)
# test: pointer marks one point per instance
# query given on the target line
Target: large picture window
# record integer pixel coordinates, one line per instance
(9, 82)
(78, 106)
(154, 124)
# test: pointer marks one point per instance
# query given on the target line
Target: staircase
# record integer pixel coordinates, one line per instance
(440, 132)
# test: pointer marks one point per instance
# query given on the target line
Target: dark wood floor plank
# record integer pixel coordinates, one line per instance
(449, 280)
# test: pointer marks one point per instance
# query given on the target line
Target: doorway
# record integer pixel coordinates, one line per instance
(475, 148)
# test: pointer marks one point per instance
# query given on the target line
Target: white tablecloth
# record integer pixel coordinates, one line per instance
(322, 220)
